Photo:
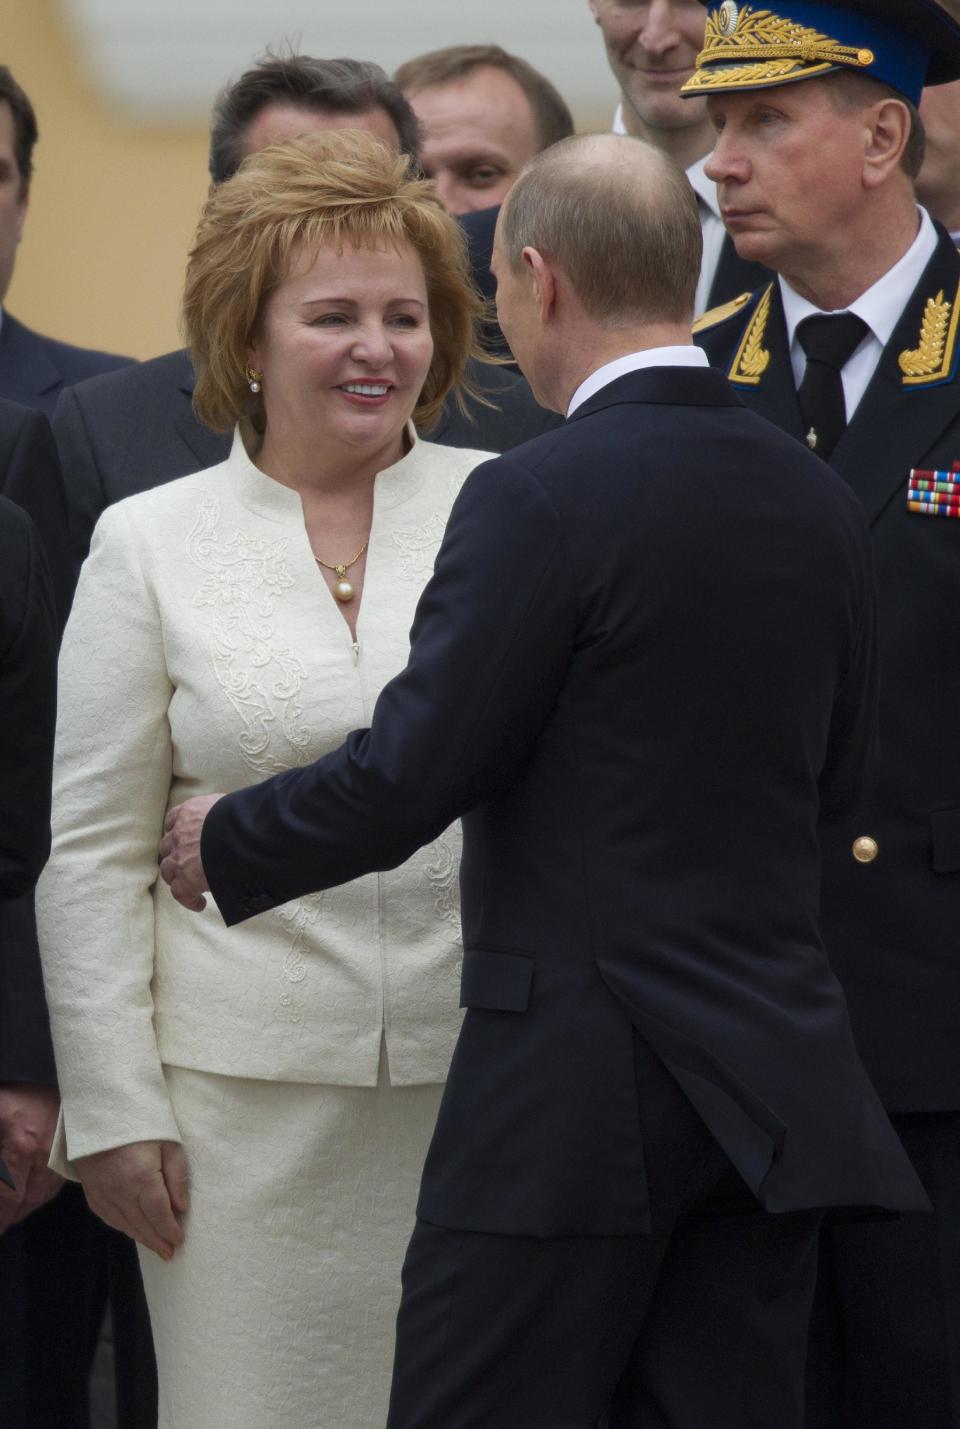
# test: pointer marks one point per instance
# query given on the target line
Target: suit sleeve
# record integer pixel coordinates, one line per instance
(490, 645)
(83, 482)
(95, 901)
(28, 666)
(35, 482)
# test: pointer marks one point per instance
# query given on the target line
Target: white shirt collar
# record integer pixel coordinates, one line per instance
(618, 126)
(704, 188)
(881, 306)
(686, 356)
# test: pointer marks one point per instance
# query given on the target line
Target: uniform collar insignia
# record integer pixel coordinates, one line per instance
(714, 316)
(753, 359)
(933, 359)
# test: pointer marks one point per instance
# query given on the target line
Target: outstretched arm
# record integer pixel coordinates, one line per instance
(490, 646)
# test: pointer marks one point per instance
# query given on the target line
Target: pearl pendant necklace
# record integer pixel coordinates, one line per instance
(343, 590)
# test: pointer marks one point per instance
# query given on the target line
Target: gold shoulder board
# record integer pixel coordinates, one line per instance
(720, 314)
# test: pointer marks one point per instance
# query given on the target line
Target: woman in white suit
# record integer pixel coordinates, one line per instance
(254, 1105)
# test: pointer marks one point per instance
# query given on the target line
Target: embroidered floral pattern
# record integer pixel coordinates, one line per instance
(442, 872)
(417, 547)
(299, 919)
(243, 576)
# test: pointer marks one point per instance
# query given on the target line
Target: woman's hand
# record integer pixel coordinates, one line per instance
(140, 1190)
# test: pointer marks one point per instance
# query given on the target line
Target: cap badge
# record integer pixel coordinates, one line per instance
(753, 359)
(727, 17)
(932, 360)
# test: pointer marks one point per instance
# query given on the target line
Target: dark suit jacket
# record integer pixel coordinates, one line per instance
(892, 927)
(28, 663)
(642, 670)
(30, 477)
(34, 370)
(128, 431)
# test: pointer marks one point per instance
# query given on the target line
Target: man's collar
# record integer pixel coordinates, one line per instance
(704, 188)
(686, 356)
(881, 306)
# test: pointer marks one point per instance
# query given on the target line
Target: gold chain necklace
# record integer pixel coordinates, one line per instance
(343, 589)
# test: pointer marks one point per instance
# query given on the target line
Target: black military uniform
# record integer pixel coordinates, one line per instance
(886, 1345)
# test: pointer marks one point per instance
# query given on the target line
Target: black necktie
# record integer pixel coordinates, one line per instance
(828, 342)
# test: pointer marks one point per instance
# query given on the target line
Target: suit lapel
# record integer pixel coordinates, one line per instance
(26, 369)
(896, 424)
(208, 447)
(773, 393)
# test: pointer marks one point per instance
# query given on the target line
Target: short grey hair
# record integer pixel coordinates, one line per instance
(621, 221)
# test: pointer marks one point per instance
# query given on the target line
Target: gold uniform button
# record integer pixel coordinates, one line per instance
(865, 850)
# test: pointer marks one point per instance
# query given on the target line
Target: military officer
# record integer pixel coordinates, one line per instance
(818, 144)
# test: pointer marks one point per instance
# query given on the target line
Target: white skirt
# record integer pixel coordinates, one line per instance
(278, 1312)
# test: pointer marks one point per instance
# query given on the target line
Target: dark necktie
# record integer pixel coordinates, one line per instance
(828, 342)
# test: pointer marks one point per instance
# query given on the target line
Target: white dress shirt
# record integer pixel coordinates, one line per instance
(711, 223)
(687, 356)
(880, 307)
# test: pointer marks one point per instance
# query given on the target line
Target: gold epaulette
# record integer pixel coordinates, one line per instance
(720, 314)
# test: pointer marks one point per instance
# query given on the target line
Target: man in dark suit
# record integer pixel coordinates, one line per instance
(815, 177)
(651, 49)
(28, 1083)
(642, 671)
(130, 430)
(33, 369)
(30, 477)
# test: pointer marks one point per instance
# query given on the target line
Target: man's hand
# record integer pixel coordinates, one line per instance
(180, 863)
(140, 1190)
(28, 1119)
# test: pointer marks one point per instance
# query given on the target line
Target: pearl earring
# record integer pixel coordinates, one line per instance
(254, 380)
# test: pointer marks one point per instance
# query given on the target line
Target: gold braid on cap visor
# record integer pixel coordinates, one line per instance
(781, 49)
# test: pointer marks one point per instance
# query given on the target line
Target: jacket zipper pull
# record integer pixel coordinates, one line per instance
(355, 652)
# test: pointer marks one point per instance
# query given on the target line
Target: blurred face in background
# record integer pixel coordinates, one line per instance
(652, 46)
(13, 199)
(276, 123)
(478, 133)
(938, 185)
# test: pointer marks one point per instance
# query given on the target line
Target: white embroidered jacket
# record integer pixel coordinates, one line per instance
(205, 653)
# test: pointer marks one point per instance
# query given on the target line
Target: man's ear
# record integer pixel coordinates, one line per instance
(541, 276)
(595, 9)
(888, 133)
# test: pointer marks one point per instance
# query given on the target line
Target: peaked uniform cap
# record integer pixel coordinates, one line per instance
(903, 43)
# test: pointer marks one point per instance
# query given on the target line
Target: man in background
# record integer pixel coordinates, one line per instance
(28, 1082)
(853, 348)
(483, 114)
(938, 183)
(56, 1265)
(131, 430)
(652, 46)
(33, 369)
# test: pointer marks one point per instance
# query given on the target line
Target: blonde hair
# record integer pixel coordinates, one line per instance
(337, 186)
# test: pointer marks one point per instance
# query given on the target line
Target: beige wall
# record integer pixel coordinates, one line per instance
(113, 207)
